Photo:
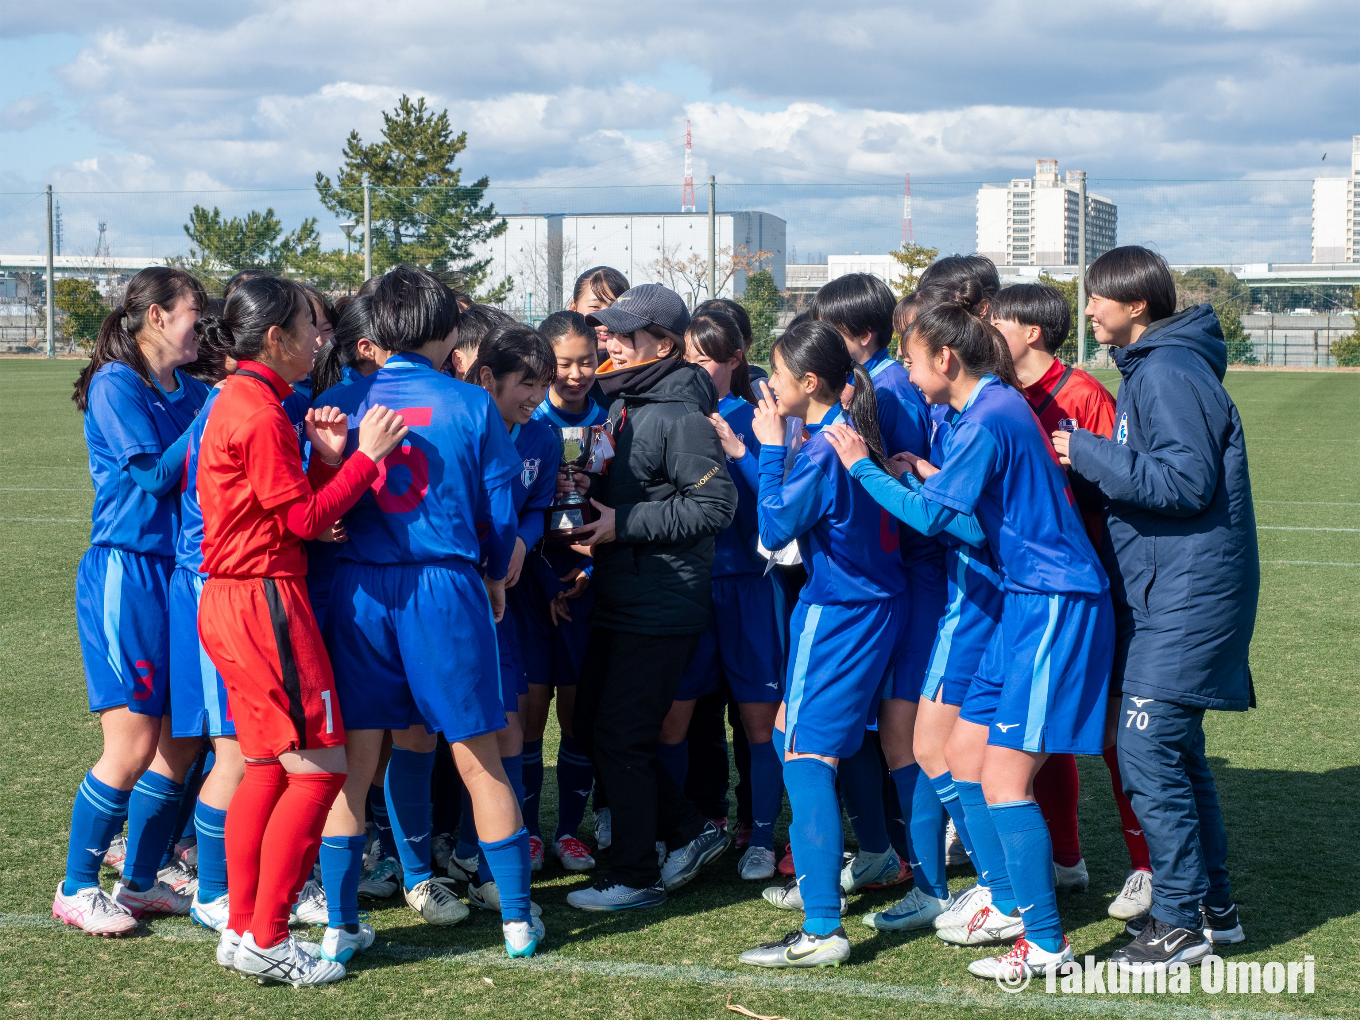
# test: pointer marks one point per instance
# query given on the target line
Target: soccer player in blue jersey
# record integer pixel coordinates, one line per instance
(750, 612)
(412, 622)
(861, 307)
(138, 407)
(1042, 682)
(552, 611)
(846, 629)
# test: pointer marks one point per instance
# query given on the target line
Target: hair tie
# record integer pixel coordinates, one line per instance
(121, 312)
(850, 377)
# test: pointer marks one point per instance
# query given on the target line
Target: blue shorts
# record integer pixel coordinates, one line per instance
(512, 677)
(971, 617)
(703, 675)
(415, 644)
(841, 660)
(322, 560)
(123, 618)
(1044, 678)
(923, 605)
(552, 653)
(198, 697)
(751, 624)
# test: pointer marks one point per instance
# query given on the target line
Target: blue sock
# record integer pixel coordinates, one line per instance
(96, 817)
(531, 772)
(382, 822)
(896, 819)
(508, 860)
(988, 855)
(342, 865)
(1029, 861)
(904, 779)
(777, 739)
(466, 847)
(927, 837)
(210, 824)
(184, 821)
(767, 793)
(575, 776)
(949, 797)
(514, 771)
(408, 805)
(675, 760)
(153, 809)
(862, 791)
(816, 835)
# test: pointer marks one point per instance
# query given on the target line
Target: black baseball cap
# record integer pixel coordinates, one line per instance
(648, 304)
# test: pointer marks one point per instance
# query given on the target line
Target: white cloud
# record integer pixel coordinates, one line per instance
(26, 112)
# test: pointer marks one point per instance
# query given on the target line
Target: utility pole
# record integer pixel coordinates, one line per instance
(368, 229)
(51, 332)
(1080, 175)
(712, 238)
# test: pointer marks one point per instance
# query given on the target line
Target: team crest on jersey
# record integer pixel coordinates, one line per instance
(1121, 434)
(530, 472)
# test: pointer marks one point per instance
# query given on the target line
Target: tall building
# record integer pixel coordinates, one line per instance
(1336, 214)
(1034, 222)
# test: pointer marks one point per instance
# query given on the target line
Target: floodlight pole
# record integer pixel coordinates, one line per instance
(368, 229)
(51, 333)
(712, 238)
(1080, 175)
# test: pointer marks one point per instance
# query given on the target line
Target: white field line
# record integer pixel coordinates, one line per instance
(1307, 563)
(797, 983)
(11, 488)
(44, 520)
(1282, 527)
(1280, 502)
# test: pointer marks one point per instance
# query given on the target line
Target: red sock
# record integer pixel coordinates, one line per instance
(251, 806)
(289, 846)
(1133, 831)
(1056, 788)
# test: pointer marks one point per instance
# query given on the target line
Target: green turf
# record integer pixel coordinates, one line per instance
(1289, 775)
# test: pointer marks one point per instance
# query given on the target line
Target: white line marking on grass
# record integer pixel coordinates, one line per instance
(1308, 563)
(1281, 502)
(44, 520)
(1282, 527)
(9, 488)
(787, 982)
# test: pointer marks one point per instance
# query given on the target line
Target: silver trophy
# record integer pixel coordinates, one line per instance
(572, 509)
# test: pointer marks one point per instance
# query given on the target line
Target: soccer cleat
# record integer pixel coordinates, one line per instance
(93, 911)
(1023, 960)
(179, 876)
(383, 881)
(785, 866)
(865, 868)
(441, 850)
(1221, 925)
(967, 902)
(1135, 899)
(535, 854)
(116, 853)
(756, 863)
(800, 949)
(788, 896)
(227, 944)
(954, 852)
(613, 896)
(604, 829)
(212, 914)
(285, 964)
(311, 905)
(986, 925)
(186, 851)
(488, 897)
(464, 869)
(1073, 879)
(574, 855)
(743, 837)
(903, 873)
(159, 899)
(522, 938)
(435, 901)
(917, 909)
(339, 944)
(661, 852)
(1161, 944)
(682, 865)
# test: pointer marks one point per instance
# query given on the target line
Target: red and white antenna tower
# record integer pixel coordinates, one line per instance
(907, 236)
(687, 193)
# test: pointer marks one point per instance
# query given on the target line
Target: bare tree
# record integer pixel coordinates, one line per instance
(689, 275)
(538, 269)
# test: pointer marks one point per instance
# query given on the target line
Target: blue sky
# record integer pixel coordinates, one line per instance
(260, 94)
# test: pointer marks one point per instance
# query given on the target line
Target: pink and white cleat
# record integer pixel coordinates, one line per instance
(93, 911)
(535, 854)
(116, 853)
(574, 855)
(159, 899)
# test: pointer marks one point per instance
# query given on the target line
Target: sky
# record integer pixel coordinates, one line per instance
(813, 111)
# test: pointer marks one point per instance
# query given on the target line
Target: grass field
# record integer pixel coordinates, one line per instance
(1289, 776)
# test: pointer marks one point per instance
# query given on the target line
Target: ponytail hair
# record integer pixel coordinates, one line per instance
(718, 335)
(117, 340)
(951, 320)
(605, 283)
(341, 351)
(254, 306)
(211, 365)
(560, 325)
(514, 347)
(816, 348)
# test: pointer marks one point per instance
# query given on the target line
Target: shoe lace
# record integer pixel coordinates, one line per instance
(572, 847)
(442, 890)
(1018, 954)
(979, 918)
(102, 905)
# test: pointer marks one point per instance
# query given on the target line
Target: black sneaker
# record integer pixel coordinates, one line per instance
(683, 864)
(1221, 926)
(1160, 943)
(1135, 925)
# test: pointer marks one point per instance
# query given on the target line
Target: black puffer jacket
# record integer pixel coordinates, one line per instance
(669, 486)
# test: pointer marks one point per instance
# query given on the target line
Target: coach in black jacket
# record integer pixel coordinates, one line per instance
(664, 499)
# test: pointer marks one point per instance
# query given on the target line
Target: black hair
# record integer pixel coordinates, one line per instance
(510, 348)
(560, 325)
(253, 307)
(1133, 273)
(954, 286)
(1035, 304)
(799, 319)
(605, 282)
(319, 299)
(857, 304)
(244, 276)
(342, 349)
(117, 339)
(477, 323)
(953, 271)
(410, 308)
(817, 348)
(210, 366)
(730, 307)
(718, 335)
(952, 322)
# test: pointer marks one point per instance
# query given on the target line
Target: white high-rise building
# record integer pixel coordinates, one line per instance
(1034, 222)
(1336, 214)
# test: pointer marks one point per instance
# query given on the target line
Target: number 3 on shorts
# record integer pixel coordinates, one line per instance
(326, 697)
